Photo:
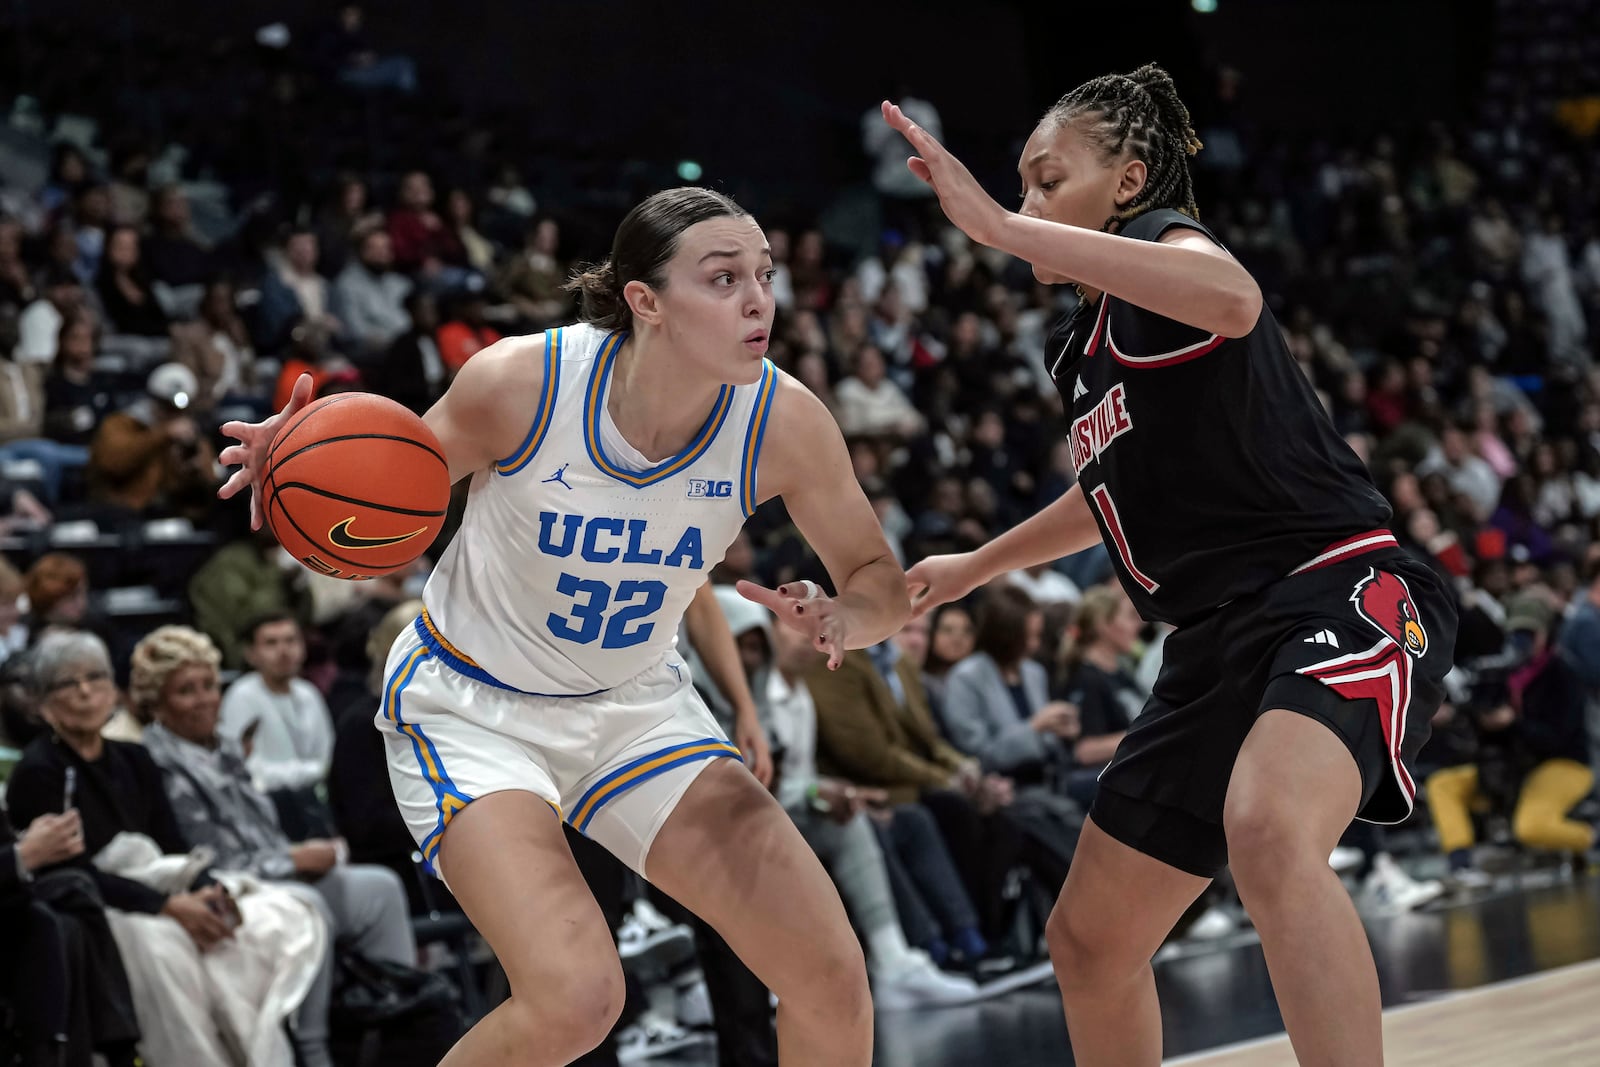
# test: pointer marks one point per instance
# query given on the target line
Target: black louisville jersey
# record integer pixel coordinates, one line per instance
(1208, 462)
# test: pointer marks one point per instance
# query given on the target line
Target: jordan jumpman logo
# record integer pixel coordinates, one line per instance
(559, 476)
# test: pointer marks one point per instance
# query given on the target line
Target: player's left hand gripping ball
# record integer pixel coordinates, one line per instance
(803, 606)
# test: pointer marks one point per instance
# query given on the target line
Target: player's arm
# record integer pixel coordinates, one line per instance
(484, 415)
(804, 460)
(1063, 527)
(712, 638)
(1184, 276)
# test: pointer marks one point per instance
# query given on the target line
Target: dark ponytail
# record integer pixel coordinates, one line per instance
(645, 241)
(600, 297)
(1142, 114)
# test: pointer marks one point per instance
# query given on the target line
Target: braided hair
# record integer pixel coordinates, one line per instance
(1138, 113)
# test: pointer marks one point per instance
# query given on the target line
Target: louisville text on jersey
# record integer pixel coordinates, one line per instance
(1094, 432)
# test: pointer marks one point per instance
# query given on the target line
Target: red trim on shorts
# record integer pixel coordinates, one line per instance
(1348, 549)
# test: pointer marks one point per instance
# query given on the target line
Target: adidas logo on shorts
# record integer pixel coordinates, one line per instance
(1323, 637)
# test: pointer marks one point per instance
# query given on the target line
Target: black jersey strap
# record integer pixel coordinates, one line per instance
(1141, 339)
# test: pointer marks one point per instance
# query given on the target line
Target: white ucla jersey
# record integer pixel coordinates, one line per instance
(570, 571)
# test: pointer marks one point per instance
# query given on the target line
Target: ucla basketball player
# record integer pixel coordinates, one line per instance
(612, 462)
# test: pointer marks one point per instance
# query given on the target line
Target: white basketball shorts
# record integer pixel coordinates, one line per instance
(613, 765)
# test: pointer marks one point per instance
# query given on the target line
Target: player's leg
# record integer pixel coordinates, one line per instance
(730, 854)
(507, 862)
(1294, 790)
(1114, 911)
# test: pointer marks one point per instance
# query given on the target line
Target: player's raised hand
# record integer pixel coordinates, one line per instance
(250, 454)
(962, 198)
(939, 580)
(803, 606)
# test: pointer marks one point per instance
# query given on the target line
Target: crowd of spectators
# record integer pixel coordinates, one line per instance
(189, 760)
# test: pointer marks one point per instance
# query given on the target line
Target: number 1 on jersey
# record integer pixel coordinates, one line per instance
(1113, 523)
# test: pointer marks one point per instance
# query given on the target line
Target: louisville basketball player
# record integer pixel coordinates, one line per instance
(1310, 651)
(612, 463)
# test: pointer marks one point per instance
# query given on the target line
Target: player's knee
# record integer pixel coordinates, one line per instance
(574, 1017)
(1084, 957)
(829, 982)
(1265, 845)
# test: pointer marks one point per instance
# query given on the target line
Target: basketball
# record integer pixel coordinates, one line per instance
(355, 485)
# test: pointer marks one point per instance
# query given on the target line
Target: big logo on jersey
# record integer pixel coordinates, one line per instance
(1384, 601)
(1093, 434)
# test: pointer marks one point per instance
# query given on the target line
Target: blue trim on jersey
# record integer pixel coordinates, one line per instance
(553, 341)
(448, 797)
(642, 770)
(594, 406)
(766, 389)
(457, 661)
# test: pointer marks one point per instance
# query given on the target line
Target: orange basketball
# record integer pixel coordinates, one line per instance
(355, 486)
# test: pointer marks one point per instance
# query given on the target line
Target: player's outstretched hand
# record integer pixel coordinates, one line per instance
(250, 454)
(939, 580)
(962, 198)
(803, 606)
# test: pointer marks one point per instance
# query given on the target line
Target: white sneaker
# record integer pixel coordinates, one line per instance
(651, 1037)
(1389, 890)
(1346, 859)
(1216, 922)
(919, 984)
(660, 948)
(694, 1004)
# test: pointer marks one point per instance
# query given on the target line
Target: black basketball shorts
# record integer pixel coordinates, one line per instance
(1361, 645)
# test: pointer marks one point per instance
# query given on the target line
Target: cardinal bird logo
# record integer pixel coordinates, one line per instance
(1384, 600)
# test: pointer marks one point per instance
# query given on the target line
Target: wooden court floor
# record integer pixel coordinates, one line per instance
(1544, 1020)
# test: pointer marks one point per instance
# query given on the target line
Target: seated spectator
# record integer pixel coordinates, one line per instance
(69, 173)
(1580, 650)
(349, 51)
(180, 1002)
(17, 289)
(412, 370)
(310, 353)
(123, 282)
(247, 577)
(869, 403)
(293, 291)
(467, 333)
(151, 455)
(63, 975)
(950, 641)
(56, 587)
(1532, 753)
(1098, 679)
(1466, 471)
(175, 683)
(77, 398)
(533, 279)
(459, 217)
(875, 729)
(39, 326)
(130, 182)
(91, 216)
(423, 244)
(174, 254)
(216, 347)
(281, 722)
(997, 701)
(369, 296)
(341, 218)
(834, 816)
